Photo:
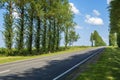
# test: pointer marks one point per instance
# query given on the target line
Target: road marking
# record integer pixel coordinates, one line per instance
(1, 72)
(59, 76)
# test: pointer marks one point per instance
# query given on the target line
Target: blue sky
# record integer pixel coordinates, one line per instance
(1, 28)
(90, 15)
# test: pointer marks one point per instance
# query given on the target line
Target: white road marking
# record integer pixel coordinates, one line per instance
(59, 76)
(5, 71)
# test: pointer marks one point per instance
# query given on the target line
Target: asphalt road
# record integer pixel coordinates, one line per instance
(46, 68)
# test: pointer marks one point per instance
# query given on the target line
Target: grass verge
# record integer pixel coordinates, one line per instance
(4, 59)
(107, 68)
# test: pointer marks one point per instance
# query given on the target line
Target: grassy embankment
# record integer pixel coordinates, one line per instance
(6, 59)
(107, 68)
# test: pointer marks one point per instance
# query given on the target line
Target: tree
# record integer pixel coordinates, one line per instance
(67, 32)
(98, 40)
(39, 24)
(115, 18)
(112, 39)
(8, 24)
(118, 39)
(91, 39)
(39, 14)
(20, 25)
(73, 37)
(30, 24)
(44, 33)
(68, 22)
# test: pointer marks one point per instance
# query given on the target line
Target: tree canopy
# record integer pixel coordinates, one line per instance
(96, 39)
(115, 20)
(38, 25)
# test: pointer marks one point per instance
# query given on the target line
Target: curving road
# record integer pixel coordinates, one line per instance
(46, 68)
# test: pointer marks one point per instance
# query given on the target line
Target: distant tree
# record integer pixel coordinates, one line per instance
(91, 39)
(98, 39)
(73, 37)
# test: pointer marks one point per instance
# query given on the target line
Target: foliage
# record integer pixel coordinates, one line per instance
(73, 37)
(115, 18)
(97, 39)
(11, 58)
(118, 39)
(91, 39)
(38, 24)
(8, 24)
(112, 39)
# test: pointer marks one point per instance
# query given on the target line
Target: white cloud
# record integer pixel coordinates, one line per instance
(93, 20)
(74, 9)
(108, 1)
(96, 12)
(78, 27)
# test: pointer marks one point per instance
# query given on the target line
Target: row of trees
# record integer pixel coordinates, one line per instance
(96, 39)
(114, 10)
(37, 24)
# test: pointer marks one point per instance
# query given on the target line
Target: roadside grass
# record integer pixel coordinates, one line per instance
(107, 68)
(7, 59)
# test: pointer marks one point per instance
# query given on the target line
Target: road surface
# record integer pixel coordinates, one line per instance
(46, 68)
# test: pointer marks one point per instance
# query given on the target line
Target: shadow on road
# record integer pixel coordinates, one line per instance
(50, 71)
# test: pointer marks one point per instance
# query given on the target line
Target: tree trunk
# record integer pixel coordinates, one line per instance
(30, 39)
(118, 39)
(37, 43)
(50, 36)
(44, 36)
(21, 41)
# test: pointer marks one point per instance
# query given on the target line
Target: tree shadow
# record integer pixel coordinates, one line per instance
(49, 71)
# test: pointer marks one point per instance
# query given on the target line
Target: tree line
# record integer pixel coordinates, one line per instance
(96, 39)
(114, 10)
(37, 25)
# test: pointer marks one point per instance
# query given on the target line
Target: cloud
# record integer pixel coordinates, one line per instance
(96, 12)
(93, 20)
(74, 9)
(78, 27)
(108, 1)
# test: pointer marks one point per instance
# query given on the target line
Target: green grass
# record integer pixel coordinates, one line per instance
(107, 68)
(6, 59)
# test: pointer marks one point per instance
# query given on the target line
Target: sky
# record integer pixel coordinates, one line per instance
(89, 15)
